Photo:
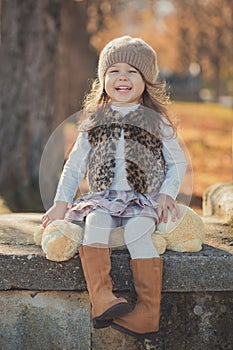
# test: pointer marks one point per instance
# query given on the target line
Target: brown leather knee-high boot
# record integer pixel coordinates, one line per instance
(96, 266)
(143, 321)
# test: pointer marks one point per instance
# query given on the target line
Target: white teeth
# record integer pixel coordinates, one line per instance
(123, 88)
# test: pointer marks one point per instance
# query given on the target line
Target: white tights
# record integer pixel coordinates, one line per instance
(137, 233)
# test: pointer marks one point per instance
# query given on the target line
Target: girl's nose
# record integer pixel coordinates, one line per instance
(123, 77)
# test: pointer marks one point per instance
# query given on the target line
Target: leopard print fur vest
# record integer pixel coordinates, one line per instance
(145, 165)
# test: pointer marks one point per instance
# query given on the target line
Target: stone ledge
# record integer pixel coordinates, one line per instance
(23, 265)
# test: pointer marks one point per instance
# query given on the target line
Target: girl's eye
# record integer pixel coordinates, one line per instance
(113, 71)
(132, 71)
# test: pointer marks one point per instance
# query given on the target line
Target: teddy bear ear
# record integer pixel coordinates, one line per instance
(159, 243)
(38, 235)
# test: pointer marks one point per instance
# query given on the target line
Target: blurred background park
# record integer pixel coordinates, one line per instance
(48, 57)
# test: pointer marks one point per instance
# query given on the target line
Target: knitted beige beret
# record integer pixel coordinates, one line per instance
(133, 51)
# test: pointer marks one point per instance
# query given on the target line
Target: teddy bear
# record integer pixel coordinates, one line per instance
(61, 239)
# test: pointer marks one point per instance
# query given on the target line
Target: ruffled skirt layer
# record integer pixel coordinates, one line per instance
(116, 203)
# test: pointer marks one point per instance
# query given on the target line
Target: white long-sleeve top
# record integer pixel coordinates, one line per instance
(75, 167)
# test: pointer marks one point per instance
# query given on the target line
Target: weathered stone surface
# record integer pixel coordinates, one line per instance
(44, 321)
(218, 200)
(210, 269)
(209, 321)
(193, 321)
(171, 335)
(23, 265)
(109, 338)
(195, 307)
(61, 320)
(189, 321)
(219, 234)
(18, 228)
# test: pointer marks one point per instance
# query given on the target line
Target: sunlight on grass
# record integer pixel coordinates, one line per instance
(207, 132)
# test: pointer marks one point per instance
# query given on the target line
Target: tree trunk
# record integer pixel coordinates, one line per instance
(76, 66)
(31, 105)
(77, 60)
(217, 80)
(27, 73)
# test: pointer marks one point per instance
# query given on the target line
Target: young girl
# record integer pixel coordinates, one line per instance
(134, 168)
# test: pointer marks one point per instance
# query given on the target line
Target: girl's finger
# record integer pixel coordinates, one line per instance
(175, 212)
(159, 212)
(46, 221)
(178, 213)
(45, 218)
(165, 215)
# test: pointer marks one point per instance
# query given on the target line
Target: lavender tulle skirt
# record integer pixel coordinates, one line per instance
(116, 203)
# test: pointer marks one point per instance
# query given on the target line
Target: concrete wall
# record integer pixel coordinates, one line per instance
(45, 306)
(52, 320)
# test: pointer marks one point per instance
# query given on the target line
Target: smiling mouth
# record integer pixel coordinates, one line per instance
(123, 88)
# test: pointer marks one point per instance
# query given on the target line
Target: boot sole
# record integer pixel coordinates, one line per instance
(106, 318)
(150, 335)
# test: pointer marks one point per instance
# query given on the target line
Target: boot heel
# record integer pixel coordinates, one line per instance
(101, 324)
(115, 311)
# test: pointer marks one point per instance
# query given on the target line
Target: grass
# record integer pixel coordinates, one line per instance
(207, 132)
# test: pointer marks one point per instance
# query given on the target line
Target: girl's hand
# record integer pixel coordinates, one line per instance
(56, 212)
(167, 203)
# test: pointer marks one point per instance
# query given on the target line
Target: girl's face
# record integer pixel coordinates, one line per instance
(124, 84)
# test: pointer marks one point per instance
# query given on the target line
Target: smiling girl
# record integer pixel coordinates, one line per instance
(135, 166)
(124, 84)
